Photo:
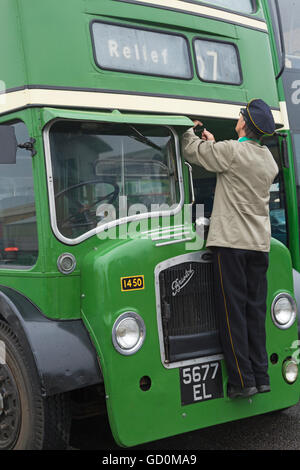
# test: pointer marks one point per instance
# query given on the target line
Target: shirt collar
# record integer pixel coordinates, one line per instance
(243, 139)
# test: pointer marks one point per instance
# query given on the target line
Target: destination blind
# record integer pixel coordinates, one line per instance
(217, 62)
(142, 51)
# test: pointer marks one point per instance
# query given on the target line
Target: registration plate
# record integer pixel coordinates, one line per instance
(201, 382)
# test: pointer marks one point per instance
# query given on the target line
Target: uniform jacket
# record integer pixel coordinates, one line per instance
(245, 171)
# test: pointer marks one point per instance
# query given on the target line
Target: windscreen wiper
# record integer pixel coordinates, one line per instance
(142, 138)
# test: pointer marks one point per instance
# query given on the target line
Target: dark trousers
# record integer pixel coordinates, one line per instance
(241, 291)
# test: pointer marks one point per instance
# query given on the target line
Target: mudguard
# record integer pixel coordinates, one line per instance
(62, 351)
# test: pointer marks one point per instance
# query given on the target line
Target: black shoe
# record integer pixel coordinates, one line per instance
(235, 392)
(263, 388)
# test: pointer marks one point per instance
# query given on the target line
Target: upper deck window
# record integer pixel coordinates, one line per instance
(290, 17)
(135, 50)
(242, 6)
(217, 62)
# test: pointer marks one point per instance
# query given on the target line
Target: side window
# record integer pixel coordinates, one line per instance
(218, 62)
(278, 213)
(18, 231)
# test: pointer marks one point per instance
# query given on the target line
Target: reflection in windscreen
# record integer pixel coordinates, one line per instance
(94, 164)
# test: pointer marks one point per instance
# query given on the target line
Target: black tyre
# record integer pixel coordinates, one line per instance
(28, 421)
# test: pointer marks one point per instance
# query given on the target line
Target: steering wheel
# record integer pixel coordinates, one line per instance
(83, 215)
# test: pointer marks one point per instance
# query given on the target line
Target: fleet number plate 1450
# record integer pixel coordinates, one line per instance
(132, 283)
(201, 382)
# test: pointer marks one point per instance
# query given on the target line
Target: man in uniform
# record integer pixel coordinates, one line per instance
(239, 236)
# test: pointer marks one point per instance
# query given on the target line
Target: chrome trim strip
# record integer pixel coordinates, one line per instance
(171, 242)
(197, 256)
(168, 235)
(114, 223)
(166, 232)
(162, 230)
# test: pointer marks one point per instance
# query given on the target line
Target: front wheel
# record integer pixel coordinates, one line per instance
(28, 421)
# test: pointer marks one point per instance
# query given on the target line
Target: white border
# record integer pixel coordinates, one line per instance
(211, 12)
(129, 102)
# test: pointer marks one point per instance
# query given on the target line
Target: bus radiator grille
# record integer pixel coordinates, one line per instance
(188, 310)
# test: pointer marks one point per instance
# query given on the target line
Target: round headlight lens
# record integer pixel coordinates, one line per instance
(128, 333)
(283, 311)
(290, 371)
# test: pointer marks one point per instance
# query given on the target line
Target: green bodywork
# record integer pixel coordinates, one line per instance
(49, 45)
(137, 416)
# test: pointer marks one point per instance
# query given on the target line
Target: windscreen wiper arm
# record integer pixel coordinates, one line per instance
(142, 138)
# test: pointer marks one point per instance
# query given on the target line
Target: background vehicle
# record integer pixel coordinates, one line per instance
(284, 26)
(102, 299)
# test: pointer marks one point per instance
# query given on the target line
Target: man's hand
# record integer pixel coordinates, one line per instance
(206, 135)
(198, 123)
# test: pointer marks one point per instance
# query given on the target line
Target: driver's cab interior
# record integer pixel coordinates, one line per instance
(95, 163)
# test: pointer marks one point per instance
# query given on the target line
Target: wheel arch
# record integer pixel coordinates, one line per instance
(61, 350)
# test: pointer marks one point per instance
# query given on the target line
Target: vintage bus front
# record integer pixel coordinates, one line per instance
(104, 271)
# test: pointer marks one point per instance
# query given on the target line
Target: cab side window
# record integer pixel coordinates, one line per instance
(278, 212)
(18, 230)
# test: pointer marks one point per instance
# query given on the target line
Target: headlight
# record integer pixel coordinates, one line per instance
(128, 333)
(290, 371)
(283, 311)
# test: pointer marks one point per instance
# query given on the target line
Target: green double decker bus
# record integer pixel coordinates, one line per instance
(106, 285)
